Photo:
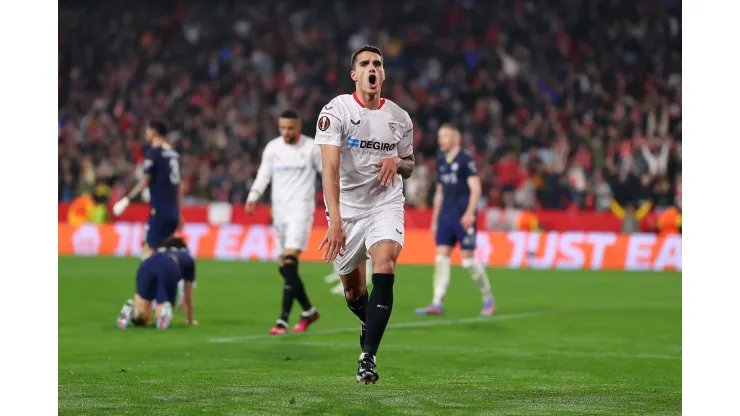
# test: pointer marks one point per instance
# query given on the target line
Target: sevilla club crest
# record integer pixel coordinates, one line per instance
(392, 125)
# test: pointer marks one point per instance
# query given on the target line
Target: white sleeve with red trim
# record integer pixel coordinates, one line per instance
(406, 144)
(330, 124)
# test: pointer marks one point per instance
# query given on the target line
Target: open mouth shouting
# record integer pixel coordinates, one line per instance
(373, 81)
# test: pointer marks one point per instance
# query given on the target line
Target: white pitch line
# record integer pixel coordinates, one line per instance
(431, 323)
(478, 350)
(418, 324)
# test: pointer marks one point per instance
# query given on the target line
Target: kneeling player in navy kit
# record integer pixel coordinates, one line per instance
(156, 281)
(186, 262)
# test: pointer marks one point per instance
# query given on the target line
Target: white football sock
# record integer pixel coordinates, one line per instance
(128, 308)
(441, 279)
(479, 276)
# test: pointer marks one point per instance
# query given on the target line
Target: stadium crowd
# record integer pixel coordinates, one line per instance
(575, 103)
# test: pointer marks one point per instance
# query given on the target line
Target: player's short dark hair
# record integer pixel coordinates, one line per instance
(159, 126)
(175, 242)
(289, 114)
(366, 48)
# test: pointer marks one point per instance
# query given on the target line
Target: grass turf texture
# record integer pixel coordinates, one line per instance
(561, 343)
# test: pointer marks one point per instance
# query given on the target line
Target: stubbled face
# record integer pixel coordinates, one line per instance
(290, 129)
(447, 138)
(368, 72)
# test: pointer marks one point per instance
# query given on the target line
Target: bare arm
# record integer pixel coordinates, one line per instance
(663, 125)
(148, 168)
(652, 124)
(475, 192)
(140, 186)
(406, 166)
(187, 299)
(651, 160)
(662, 161)
(330, 158)
(181, 198)
(121, 205)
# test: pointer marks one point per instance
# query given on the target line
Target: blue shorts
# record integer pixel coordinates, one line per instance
(159, 228)
(451, 232)
(157, 279)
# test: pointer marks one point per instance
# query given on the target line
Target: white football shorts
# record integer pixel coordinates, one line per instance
(364, 232)
(292, 233)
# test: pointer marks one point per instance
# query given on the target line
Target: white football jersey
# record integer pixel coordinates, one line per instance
(365, 137)
(292, 168)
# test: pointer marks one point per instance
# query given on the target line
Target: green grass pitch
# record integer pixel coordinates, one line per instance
(561, 343)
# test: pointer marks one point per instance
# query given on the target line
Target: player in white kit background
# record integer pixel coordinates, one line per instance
(366, 152)
(291, 162)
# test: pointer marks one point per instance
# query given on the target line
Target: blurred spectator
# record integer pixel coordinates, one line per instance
(602, 192)
(678, 192)
(525, 195)
(662, 196)
(564, 103)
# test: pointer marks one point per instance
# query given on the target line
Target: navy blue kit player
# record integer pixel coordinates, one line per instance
(156, 287)
(177, 247)
(162, 178)
(453, 220)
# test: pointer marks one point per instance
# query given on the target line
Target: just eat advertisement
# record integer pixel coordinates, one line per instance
(543, 250)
